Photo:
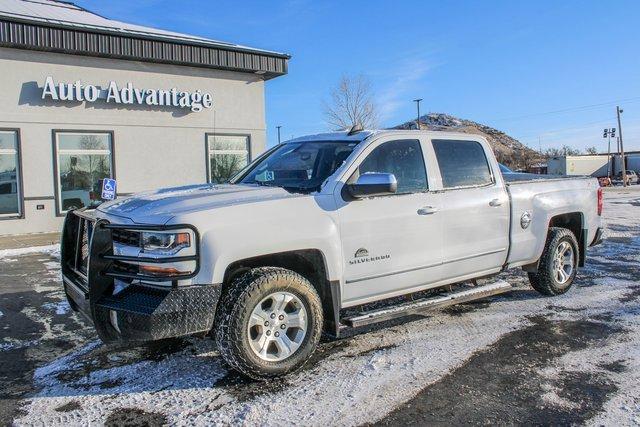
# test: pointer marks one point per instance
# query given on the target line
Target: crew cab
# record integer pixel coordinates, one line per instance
(321, 234)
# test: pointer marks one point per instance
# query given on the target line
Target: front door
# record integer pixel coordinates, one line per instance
(391, 244)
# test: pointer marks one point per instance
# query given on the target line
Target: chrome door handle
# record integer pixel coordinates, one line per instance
(495, 202)
(427, 210)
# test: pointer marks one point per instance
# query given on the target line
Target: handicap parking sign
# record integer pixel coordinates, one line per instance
(108, 189)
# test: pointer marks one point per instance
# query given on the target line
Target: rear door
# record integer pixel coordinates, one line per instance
(391, 244)
(475, 208)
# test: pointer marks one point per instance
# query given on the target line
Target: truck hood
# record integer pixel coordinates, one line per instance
(158, 207)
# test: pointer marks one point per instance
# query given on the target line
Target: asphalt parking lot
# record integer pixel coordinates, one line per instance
(514, 359)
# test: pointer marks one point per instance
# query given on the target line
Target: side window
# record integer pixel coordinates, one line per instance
(404, 159)
(462, 163)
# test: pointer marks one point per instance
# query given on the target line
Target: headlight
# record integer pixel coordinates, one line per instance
(165, 243)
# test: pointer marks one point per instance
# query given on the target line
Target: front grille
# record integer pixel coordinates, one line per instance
(126, 237)
(86, 230)
(76, 246)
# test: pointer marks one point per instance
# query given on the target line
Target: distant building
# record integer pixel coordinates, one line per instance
(632, 161)
(596, 165)
(588, 164)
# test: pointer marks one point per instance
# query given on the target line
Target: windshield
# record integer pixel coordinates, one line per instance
(299, 165)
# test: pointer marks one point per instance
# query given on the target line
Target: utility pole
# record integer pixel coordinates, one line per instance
(417, 101)
(613, 163)
(278, 127)
(624, 166)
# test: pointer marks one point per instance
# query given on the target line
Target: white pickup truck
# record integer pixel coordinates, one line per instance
(315, 230)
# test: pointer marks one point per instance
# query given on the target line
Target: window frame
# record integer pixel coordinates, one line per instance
(56, 160)
(19, 176)
(365, 155)
(207, 148)
(492, 175)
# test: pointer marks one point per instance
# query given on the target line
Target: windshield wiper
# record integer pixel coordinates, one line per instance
(302, 188)
(265, 184)
(289, 187)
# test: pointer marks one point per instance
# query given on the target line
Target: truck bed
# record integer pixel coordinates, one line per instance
(542, 197)
(516, 177)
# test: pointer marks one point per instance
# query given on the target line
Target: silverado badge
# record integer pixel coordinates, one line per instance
(362, 255)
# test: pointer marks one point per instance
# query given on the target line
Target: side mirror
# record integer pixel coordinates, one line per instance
(373, 184)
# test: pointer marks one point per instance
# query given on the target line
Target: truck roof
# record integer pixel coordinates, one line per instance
(364, 134)
(335, 136)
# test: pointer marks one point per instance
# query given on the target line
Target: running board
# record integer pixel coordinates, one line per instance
(432, 303)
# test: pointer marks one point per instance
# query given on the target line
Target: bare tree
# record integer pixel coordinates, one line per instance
(224, 166)
(351, 104)
(565, 150)
(591, 150)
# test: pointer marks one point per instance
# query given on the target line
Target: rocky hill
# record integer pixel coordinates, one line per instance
(508, 150)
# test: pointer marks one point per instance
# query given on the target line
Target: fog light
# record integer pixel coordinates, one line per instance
(154, 270)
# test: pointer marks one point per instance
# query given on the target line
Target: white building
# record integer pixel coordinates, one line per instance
(589, 164)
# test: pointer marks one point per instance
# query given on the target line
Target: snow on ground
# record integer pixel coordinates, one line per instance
(361, 379)
(59, 308)
(48, 249)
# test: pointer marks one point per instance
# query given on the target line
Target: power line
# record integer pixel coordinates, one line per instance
(566, 110)
(532, 135)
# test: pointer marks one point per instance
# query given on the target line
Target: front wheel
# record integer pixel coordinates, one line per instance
(268, 322)
(558, 263)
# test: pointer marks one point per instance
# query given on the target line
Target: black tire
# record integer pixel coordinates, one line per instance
(545, 280)
(235, 309)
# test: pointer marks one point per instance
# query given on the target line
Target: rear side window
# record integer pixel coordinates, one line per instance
(462, 163)
(404, 159)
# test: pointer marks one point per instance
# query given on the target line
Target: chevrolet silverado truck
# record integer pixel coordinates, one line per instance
(321, 234)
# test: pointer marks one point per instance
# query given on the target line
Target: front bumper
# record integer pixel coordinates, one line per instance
(139, 312)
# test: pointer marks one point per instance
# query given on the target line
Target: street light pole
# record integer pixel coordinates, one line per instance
(417, 101)
(278, 127)
(624, 166)
(608, 133)
(609, 155)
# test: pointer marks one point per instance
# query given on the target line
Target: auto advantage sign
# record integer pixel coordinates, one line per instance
(126, 94)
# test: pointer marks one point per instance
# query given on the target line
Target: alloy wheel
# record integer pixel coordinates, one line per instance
(277, 326)
(563, 262)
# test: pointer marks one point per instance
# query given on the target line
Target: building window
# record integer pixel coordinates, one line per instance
(227, 155)
(10, 194)
(83, 160)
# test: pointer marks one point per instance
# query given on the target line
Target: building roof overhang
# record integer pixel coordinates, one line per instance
(76, 31)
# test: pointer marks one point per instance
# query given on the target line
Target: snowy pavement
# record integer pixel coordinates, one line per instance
(518, 358)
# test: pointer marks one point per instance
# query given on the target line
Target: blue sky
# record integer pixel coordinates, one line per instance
(546, 72)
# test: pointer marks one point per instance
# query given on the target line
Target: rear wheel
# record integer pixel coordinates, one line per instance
(558, 263)
(268, 322)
